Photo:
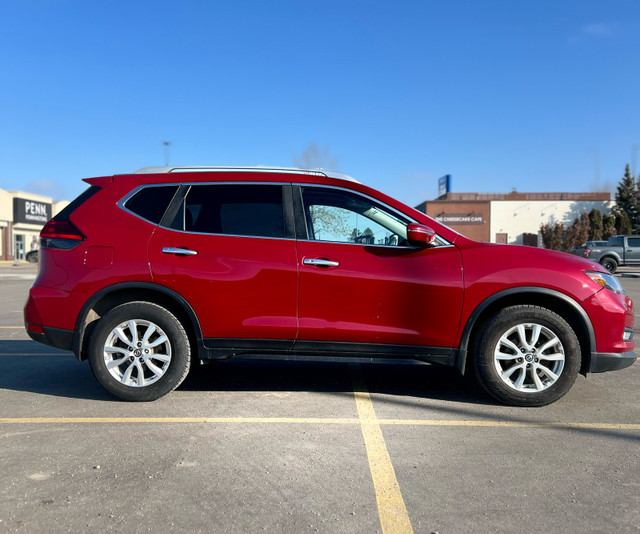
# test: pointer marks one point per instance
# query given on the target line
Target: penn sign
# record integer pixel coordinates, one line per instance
(30, 211)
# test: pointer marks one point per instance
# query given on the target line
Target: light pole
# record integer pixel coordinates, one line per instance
(166, 145)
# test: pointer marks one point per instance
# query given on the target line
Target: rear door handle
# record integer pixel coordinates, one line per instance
(179, 251)
(318, 262)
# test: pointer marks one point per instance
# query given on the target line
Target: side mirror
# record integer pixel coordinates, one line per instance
(420, 235)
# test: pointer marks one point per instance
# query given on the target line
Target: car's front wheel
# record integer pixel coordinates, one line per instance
(139, 351)
(527, 356)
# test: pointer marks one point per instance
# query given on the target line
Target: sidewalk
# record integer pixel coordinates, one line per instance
(22, 271)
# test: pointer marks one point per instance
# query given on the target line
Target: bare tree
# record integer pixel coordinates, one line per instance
(557, 237)
(313, 157)
(326, 221)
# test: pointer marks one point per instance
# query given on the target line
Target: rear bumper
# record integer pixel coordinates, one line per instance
(609, 361)
(55, 337)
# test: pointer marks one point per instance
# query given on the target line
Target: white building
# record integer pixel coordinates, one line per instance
(22, 216)
(513, 218)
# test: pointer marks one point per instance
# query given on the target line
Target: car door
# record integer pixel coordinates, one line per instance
(362, 282)
(229, 251)
(632, 251)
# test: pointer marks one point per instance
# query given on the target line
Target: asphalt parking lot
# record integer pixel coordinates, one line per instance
(258, 446)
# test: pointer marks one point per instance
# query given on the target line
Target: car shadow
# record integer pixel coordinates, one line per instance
(31, 367)
(401, 378)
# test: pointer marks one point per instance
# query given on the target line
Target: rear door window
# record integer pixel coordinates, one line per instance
(254, 210)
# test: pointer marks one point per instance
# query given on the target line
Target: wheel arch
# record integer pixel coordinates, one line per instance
(553, 300)
(112, 296)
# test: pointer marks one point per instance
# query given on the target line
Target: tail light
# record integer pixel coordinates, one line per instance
(60, 235)
(586, 252)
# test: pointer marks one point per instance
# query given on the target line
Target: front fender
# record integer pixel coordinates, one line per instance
(539, 296)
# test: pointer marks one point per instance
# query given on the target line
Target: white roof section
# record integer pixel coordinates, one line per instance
(291, 170)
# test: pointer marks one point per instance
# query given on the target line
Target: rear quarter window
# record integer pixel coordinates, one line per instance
(150, 203)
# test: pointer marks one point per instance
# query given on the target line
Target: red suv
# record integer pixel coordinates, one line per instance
(144, 274)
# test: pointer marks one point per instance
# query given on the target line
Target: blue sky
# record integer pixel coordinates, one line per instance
(534, 95)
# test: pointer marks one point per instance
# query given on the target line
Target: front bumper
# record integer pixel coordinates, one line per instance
(610, 361)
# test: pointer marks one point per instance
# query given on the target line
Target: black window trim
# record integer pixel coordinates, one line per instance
(287, 210)
(301, 217)
(122, 202)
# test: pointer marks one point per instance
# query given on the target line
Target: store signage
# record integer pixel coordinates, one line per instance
(460, 218)
(444, 185)
(30, 211)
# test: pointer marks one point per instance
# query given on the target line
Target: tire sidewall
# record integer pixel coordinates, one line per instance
(503, 321)
(180, 351)
(610, 265)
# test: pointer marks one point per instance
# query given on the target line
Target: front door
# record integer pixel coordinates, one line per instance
(361, 282)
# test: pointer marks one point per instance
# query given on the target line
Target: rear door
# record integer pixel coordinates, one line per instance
(228, 249)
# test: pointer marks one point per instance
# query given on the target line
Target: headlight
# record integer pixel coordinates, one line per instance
(606, 280)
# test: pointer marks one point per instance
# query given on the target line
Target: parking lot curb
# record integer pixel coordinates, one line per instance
(17, 276)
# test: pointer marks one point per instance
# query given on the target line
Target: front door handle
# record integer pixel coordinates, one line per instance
(179, 251)
(319, 262)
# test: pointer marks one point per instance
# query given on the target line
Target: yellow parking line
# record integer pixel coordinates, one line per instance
(220, 420)
(319, 421)
(392, 511)
(510, 424)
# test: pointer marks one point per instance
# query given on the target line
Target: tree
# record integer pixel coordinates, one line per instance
(623, 224)
(328, 222)
(595, 225)
(628, 198)
(313, 157)
(578, 232)
(608, 225)
(552, 235)
(556, 237)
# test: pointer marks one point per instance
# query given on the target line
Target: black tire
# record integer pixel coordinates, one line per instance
(526, 377)
(32, 257)
(610, 264)
(155, 363)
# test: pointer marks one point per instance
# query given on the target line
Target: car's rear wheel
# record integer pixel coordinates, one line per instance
(527, 356)
(139, 351)
(609, 264)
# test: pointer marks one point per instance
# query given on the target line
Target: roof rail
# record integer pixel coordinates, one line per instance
(292, 170)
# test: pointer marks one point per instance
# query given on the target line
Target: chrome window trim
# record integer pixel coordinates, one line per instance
(121, 203)
(191, 184)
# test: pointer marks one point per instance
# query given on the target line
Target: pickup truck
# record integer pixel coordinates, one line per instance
(619, 250)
